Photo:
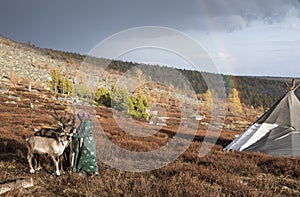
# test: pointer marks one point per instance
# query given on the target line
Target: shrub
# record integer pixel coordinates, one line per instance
(138, 107)
(14, 78)
(83, 91)
(27, 82)
(119, 99)
(103, 97)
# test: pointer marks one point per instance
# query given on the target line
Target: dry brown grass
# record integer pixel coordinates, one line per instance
(216, 174)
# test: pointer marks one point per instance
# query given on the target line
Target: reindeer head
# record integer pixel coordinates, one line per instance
(67, 124)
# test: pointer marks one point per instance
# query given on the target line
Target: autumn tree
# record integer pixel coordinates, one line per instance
(14, 78)
(60, 84)
(27, 81)
(234, 99)
(208, 99)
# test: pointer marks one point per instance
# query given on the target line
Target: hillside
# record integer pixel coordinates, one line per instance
(216, 174)
(31, 62)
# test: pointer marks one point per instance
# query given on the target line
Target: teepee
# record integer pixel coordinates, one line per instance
(277, 132)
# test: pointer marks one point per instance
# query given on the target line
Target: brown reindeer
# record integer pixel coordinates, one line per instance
(66, 125)
(50, 146)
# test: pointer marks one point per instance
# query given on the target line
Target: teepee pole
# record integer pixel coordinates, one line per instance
(293, 86)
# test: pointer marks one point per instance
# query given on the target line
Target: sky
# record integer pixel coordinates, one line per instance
(242, 37)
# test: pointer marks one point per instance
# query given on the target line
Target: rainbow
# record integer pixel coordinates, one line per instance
(217, 41)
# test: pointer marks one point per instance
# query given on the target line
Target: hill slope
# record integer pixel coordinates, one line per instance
(30, 63)
(216, 174)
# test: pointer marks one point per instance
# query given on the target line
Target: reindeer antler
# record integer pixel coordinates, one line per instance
(55, 116)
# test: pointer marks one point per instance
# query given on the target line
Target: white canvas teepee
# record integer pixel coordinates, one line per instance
(277, 132)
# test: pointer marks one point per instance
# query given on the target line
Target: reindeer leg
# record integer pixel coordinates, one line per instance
(57, 173)
(60, 159)
(68, 157)
(38, 163)
(35, 161)
(29, 158)
(72, 159)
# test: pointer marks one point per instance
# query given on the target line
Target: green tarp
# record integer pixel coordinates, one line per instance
(85, 152)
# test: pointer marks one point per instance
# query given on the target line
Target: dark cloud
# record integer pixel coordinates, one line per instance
(235, 14)
(226, 15)
(64, 24)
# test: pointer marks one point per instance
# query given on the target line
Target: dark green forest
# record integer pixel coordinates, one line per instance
(253, 91)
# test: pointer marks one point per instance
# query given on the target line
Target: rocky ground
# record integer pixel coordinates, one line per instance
(25, 61)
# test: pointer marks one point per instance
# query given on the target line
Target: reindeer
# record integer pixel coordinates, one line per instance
(66, 125)
(50, 146)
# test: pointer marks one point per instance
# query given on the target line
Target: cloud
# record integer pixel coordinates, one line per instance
(232, 15)
(228, 16)
(294, 26)
(286, 43)
(229, 23)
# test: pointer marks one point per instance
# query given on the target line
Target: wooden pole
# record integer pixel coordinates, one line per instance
(14, 185)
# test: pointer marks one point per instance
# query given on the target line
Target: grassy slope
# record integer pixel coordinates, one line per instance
(216, 174)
